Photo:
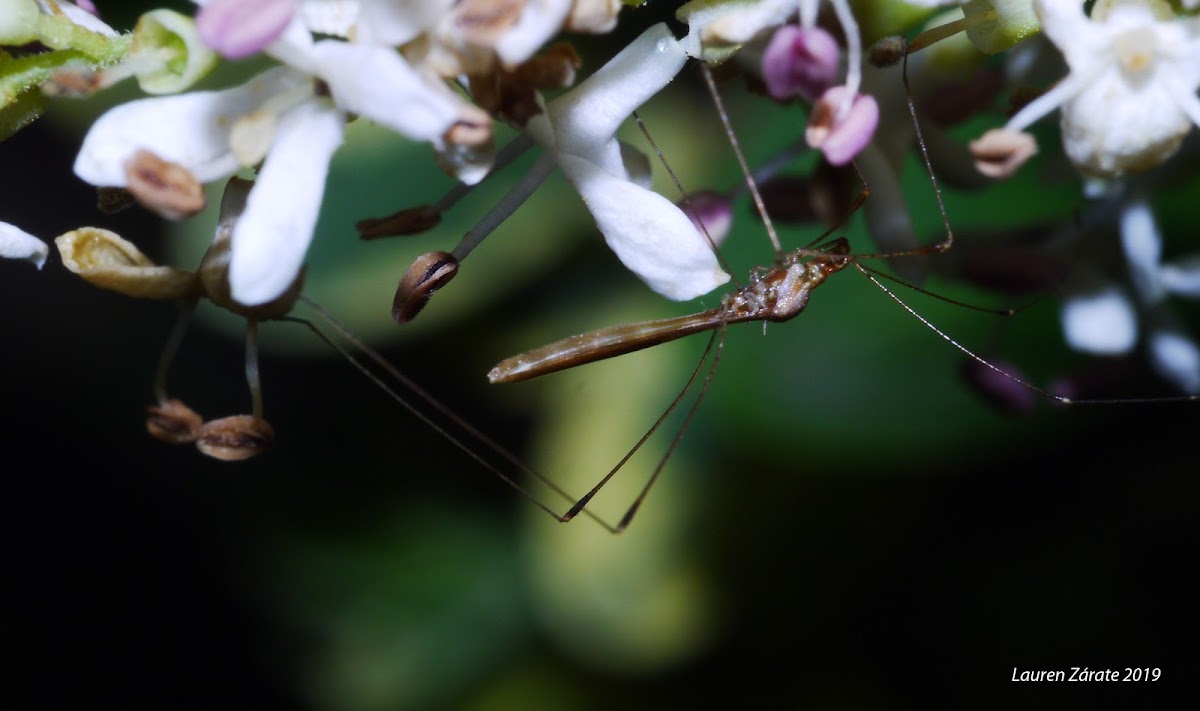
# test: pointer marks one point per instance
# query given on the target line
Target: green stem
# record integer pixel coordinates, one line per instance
(58, 32)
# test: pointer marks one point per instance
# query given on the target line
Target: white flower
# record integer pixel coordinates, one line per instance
(16, 243)
(463, 37)
(1130, 97)
(649, 234)
(1103, 320)
(282, 118)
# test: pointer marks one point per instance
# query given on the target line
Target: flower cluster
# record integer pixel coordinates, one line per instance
(443, 72)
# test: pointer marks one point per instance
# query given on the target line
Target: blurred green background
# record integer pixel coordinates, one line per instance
(846, 524)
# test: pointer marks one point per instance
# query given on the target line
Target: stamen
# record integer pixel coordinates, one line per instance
(252, 375)
(516, 197)
(171, 348)
(168, 189)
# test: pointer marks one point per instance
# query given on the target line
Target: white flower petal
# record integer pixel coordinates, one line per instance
(732, 23)
(1066, 25)
(540, 20)
(1182, 277)
(650, 235)
(16, 243)
(1176, 358)
(85, 19)
(377, 83)
(330, 17)
(393, 23)
(1142, 241)
(1101, 321)
(585, 119)
(295, 47)
(190, 129)
(273, 234)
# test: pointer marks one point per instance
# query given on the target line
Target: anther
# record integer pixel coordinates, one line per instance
(409, 221)
(167, 189)
(888, 51)
(232, 439)
(173, 422)
(427, 274)
(1001, 151)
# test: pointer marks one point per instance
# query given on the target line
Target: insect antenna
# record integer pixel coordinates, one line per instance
(470, 437)
(985, 362)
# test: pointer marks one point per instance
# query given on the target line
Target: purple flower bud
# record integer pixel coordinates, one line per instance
(711, 208)
(800, 61)
(240, 28)
(87, 6)
(841, 138)
(1000, 390)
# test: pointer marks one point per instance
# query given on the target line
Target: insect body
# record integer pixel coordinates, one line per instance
(777, 294)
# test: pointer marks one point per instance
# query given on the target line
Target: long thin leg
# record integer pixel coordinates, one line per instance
(718, 337)
(454, 418)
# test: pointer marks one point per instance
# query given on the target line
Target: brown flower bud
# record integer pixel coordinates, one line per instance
(173, 422)
(232, 439)
(163, 187)
(427, 274)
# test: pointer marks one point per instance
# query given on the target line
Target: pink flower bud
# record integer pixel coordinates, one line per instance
(800, 61)
(240, 28)
(841, 138)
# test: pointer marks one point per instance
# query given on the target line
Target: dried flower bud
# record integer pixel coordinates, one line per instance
(409, 221)
(513, 94)
(1001, 151)
(173, 422)
(427, 274)
(163, 187)
(553, 68)
(232, 439)
(110, 262)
